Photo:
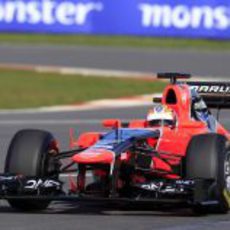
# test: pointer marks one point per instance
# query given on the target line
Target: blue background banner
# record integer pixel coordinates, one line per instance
(164, 18)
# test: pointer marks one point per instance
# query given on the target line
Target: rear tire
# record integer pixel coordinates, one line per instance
(28, 155)
(208, 157)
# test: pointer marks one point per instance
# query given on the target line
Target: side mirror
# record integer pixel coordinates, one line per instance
(111, 123)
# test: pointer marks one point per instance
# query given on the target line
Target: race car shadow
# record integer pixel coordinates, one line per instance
(116, 210)
(78, 208)
(99, 209)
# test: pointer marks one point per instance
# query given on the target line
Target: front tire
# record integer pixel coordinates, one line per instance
(29, 155)
(208, 158)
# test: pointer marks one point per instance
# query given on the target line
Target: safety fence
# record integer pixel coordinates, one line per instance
(164, 18)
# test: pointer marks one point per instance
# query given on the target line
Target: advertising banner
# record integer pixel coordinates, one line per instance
(164, 18)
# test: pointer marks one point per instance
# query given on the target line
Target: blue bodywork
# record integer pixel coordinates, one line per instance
(119, 140)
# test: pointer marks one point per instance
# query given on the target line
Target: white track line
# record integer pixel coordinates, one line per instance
(92, 72)
(50, 122)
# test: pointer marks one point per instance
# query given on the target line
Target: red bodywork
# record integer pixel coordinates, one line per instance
(171, 145)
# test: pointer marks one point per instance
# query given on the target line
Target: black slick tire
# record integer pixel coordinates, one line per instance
(208, 158)
(28, 155)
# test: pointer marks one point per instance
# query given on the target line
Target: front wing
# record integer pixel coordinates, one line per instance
(174, 192)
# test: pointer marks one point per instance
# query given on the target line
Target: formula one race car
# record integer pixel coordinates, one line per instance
(179, 155)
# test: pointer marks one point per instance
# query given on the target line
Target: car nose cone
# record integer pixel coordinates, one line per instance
(94, 156)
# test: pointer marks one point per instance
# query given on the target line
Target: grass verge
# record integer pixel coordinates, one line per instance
(27, 89)
(127, 41)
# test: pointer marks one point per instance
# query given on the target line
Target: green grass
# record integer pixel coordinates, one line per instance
(126, 41)
(26, 89)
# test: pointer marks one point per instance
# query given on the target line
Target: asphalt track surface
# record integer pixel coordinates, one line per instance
(194, 61)
(68, 216)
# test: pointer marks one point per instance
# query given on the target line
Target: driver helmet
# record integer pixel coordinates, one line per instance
(161, 115)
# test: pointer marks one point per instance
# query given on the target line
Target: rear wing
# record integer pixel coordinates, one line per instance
(215, 94)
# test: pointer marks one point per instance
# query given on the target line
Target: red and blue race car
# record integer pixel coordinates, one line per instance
(179, 154)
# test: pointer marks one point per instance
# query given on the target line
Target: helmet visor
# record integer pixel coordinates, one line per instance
(160, 122)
